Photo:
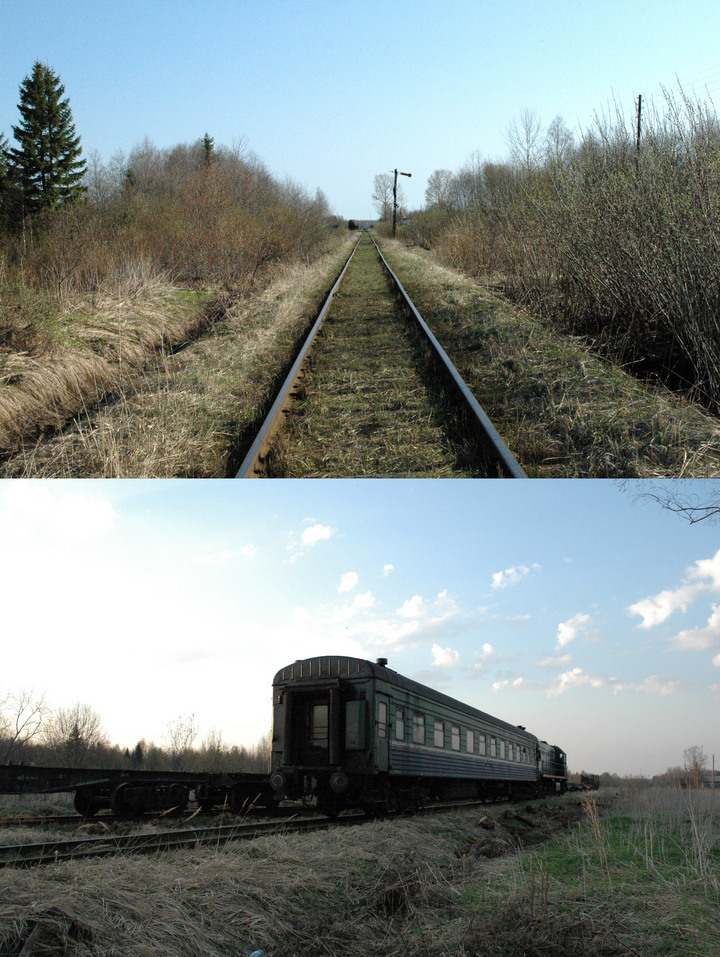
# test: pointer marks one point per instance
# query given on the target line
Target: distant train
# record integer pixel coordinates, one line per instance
(348, 733)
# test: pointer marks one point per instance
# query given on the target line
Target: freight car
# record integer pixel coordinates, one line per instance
(349, 733)
(133, 793)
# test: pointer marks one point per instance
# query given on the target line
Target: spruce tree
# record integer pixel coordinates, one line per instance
(47, 162)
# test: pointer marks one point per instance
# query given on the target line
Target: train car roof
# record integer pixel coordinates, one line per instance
(337, 666)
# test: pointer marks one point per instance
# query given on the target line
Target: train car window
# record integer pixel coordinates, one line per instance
(419, 728)
(470, 742)
(382, 719)
(455, 737)
(511, 752)
(482, 746)
(399, 725)
(493, 747)
(319, 729)
(502, 748)
(439, 734)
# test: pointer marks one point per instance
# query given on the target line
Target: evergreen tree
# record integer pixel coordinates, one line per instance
(6, 192)
(208, 147)
(47, 160)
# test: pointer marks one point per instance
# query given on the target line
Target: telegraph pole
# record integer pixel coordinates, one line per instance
(637, 141)
(395, 205)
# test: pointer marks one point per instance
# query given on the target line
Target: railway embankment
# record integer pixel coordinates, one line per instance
(603, 874)
(193, 411)
(564, 411)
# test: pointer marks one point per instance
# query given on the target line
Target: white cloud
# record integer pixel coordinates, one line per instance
(656, 685)
(700, 639)
(708, 568)
(575, 678)
(37, 507)
(511, 576)
(445, 657)
(417, 607)
(557, 661)
(316, 533)
(499, 685)
(412, 607)
(387, 570)
(703, 576)
(225, 555)
(568, 630)
(716, 661)
(658, 608)
(348, 581)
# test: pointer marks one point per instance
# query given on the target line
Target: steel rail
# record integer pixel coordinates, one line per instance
(488, 435)
(252, 463)
(51, 852)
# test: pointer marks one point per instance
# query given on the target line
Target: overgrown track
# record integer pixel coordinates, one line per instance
(52, 852)
(373, 393)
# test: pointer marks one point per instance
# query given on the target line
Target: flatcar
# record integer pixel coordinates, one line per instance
(350, 733)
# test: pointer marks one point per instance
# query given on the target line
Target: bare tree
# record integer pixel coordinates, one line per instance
(682, 497)
(21, 719)
(74, 733)
(523, 137)
(437, 191)
(382, 196)
(558, 142)
(694, 758)
(214, 752)
(181, 734)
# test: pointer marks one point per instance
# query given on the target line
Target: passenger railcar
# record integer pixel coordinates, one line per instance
(353, 733)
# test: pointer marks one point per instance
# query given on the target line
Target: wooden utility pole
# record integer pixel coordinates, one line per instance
(637, 140)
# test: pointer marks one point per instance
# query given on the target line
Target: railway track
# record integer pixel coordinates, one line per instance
(373, 393)
(56, 851)
(51, 852)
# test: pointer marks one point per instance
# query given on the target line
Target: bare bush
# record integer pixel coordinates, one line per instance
(614, 242)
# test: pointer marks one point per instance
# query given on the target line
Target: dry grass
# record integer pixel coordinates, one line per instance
(548, 879)
(386, 888)
(87, 349)
(186, 415)
(563, 411)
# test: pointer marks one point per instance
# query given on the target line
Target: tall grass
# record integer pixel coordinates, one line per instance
(616, 243)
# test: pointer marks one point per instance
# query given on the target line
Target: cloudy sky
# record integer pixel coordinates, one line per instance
(331, 92)
(573, 608)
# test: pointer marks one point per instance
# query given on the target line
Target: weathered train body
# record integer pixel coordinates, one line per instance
(352, 733)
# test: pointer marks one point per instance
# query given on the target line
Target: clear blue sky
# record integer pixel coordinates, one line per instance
(330, 92)
(568, 607)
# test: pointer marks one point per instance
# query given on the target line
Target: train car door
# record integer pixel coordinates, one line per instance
(312, 721)
(382, 731)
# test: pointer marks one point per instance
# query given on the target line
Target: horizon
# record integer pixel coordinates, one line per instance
(331, 101)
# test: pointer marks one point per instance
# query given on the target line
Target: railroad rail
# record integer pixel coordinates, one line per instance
(51, 852)
(476, 425)
(56, 851)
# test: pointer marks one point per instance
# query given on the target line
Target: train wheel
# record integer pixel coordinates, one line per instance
(84, 803)
(178, 798)
(124, 801)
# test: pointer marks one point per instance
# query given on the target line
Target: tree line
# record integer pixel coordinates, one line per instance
(31, 732)
(605, 234)
(199, 213)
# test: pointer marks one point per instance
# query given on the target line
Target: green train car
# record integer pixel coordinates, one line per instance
(349, 733)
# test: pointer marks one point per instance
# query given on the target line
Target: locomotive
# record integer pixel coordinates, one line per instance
(350, 733)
